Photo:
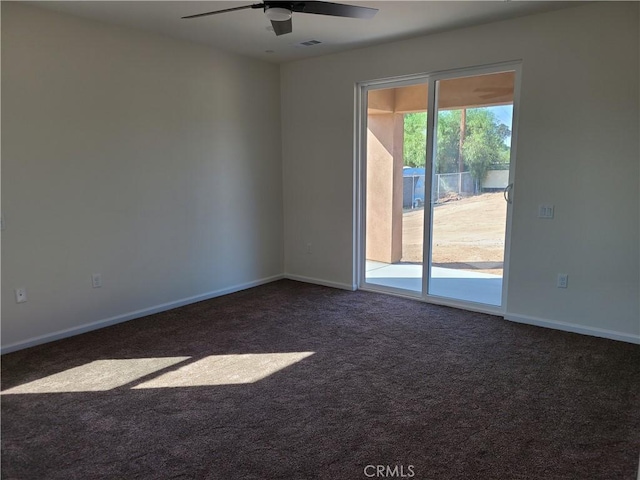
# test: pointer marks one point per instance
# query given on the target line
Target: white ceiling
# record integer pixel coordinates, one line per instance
(246, 31)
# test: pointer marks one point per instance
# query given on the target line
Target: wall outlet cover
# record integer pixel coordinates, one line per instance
(21, 295)
(563, 280)
(96, 280)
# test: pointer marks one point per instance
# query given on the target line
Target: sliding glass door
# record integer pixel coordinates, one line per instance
(395, 187)
(436, 155)
(470, 186)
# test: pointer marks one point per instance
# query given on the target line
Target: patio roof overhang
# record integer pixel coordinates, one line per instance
(454, 94)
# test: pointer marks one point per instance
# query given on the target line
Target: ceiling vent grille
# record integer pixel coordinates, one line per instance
(310, 43)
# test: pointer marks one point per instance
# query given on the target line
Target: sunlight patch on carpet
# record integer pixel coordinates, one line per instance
(97, 376)
(226, 370)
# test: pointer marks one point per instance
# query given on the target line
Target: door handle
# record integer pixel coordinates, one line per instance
(507, 193)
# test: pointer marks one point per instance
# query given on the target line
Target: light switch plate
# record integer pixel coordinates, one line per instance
(545, 211)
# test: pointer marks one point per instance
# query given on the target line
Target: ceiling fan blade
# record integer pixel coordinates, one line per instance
(256, 5)
(280, 28)
(333, 9)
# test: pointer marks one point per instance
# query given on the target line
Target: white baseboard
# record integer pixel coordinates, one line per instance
(539, 322)
(556, 325)
(317, 281)
(574, 328)
(69, 332)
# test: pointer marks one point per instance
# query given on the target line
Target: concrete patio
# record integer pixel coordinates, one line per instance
(451, 283)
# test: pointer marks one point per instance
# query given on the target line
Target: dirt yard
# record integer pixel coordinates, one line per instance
(468, 234)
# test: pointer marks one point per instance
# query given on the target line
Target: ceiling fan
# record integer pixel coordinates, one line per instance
(280, 12)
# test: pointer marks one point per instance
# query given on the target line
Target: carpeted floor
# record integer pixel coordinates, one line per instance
(296, 381)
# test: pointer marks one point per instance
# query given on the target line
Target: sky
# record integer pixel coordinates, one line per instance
(504, 114)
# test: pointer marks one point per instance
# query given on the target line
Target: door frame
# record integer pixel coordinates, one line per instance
(360, 177)
(360, 174)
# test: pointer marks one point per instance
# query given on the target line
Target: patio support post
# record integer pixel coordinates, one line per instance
(385, 138)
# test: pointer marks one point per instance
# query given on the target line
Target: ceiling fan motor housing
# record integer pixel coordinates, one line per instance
(277, 13)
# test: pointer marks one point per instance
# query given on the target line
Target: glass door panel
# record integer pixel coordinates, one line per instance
(469, 181)
(395, 187)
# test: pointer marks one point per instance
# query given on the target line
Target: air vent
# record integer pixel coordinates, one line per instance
(310, 43)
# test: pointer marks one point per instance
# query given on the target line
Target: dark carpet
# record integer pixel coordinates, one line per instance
(422, 391)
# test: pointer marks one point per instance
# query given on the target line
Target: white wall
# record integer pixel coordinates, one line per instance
(578, 119)
(154, 162)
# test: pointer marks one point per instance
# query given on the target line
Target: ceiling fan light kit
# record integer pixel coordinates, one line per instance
(280, 13)
(277, 14)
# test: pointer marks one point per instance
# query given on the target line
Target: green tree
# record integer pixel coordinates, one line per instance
(448, 141)
(484, 143)
(415, 139)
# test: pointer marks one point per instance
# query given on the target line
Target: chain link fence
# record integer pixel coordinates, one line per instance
(453, 184)
(445, 186)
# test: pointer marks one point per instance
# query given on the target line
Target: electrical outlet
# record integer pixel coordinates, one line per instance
(1, 222)
(21, 295)
(309, 250)
(563, 280)
(545, 211)
(96, 280)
